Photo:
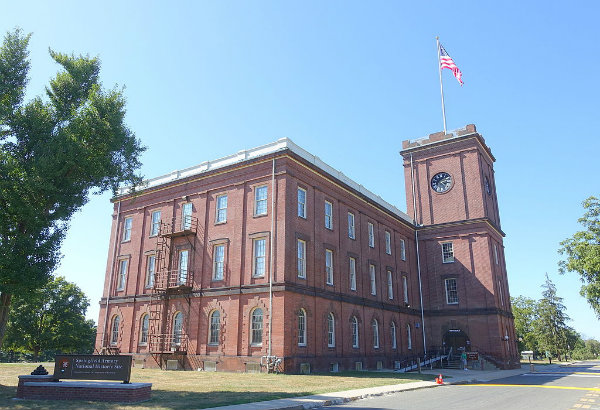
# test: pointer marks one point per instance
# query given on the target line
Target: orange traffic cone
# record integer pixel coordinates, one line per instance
(439, 379)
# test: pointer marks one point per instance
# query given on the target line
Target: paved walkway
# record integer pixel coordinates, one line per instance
(328, 399)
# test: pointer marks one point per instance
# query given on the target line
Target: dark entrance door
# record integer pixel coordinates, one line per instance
(457, 340)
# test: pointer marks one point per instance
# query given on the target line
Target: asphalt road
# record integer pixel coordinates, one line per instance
(574, 387)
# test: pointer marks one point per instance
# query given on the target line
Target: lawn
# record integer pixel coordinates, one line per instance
(195, 390)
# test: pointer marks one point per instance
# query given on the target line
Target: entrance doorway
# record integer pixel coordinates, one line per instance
(457, 340)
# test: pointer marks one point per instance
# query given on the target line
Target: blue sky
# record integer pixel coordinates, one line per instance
(348, 81)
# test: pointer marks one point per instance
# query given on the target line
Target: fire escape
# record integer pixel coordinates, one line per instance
(168, 332)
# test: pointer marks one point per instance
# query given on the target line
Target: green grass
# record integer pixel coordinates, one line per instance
(195, 390)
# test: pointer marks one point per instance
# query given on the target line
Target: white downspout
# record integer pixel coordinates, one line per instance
(271, 261)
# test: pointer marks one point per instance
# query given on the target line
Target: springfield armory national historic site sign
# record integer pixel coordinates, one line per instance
(93, 367)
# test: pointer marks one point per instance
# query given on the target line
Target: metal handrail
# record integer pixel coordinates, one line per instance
(168, 342)
(167, 279)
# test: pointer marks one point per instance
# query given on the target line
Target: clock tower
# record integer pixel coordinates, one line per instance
(451, 194)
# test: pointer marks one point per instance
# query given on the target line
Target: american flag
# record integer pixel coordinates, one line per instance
(447, 62)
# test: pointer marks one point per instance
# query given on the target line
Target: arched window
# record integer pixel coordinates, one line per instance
(354, 332)
(301, 328)
(215, 327)
(114, 335)
(256, 326)
(375, 326)
(408, 337)
(177, 328)
(330, 330)
(144, 324)
(393, 334)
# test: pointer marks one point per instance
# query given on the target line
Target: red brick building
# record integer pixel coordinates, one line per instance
(272, 255)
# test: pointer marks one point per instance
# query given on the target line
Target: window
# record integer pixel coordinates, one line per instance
(447, 252)
(408, 338)
(402, 250)
(501, 295)
(155, 227)
(260, 200)
(330, 330)
(351, 228)
(352, 274)
(405, 289)
(451, 292)
(301, 259)
(496, 253)
(114, 334)
(371, 235)
(183, 268)
(390, 285)
(302, 203)
(215, 327)
(393, 335)
(150, 270)
(373, 282)
(127, 229)
(186, 216)
(301, 328)
(122, 273)
(388, 243)
(256, 326)
(218, 262)
(328, 215)
(144, 329)
(260, 246)
(354, 332)
(375, 326)
(177, 328)
(329, 266)
(221, 209)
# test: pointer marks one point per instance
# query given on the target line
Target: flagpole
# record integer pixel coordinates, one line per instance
(441, 85)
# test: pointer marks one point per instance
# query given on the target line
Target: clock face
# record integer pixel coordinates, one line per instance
(441, 182)
(487, 186)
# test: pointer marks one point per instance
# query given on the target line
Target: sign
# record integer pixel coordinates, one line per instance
(472, 355)
(93, 367)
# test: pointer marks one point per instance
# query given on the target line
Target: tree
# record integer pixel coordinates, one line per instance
(550, 328)
(525, 312)
(51, 318)
(54, 153)
(582, 252)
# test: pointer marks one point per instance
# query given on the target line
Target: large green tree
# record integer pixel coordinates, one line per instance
(50, 318)
(525, 311)
(582, 252)
(54, 152)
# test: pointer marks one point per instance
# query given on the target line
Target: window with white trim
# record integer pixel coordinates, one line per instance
(352, 268)
(260, 200)
(354, 332)
(155, 226)
(127, 223)
(496, 254)
(447, 252)
(259, 263)
(221, 216)
(373, 280)
(182, 274)
(375, 326)
(215, 327)
(501, 293)
(123, 264)
(388, 242)
(393, 335)
(351, 226)
(301, 328)
(218, 261)
(330, 330)
(405, 289)
(371, 235)
(186, 216)
(390, 285)
(302, 203)
(177, 328)
(402, 249)
(329, 266)
(256, 327)
(144, 325)
(451, 291)
(150, 270)
(301, 259)
(408, 338)
(114, 334)
(328, 215)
